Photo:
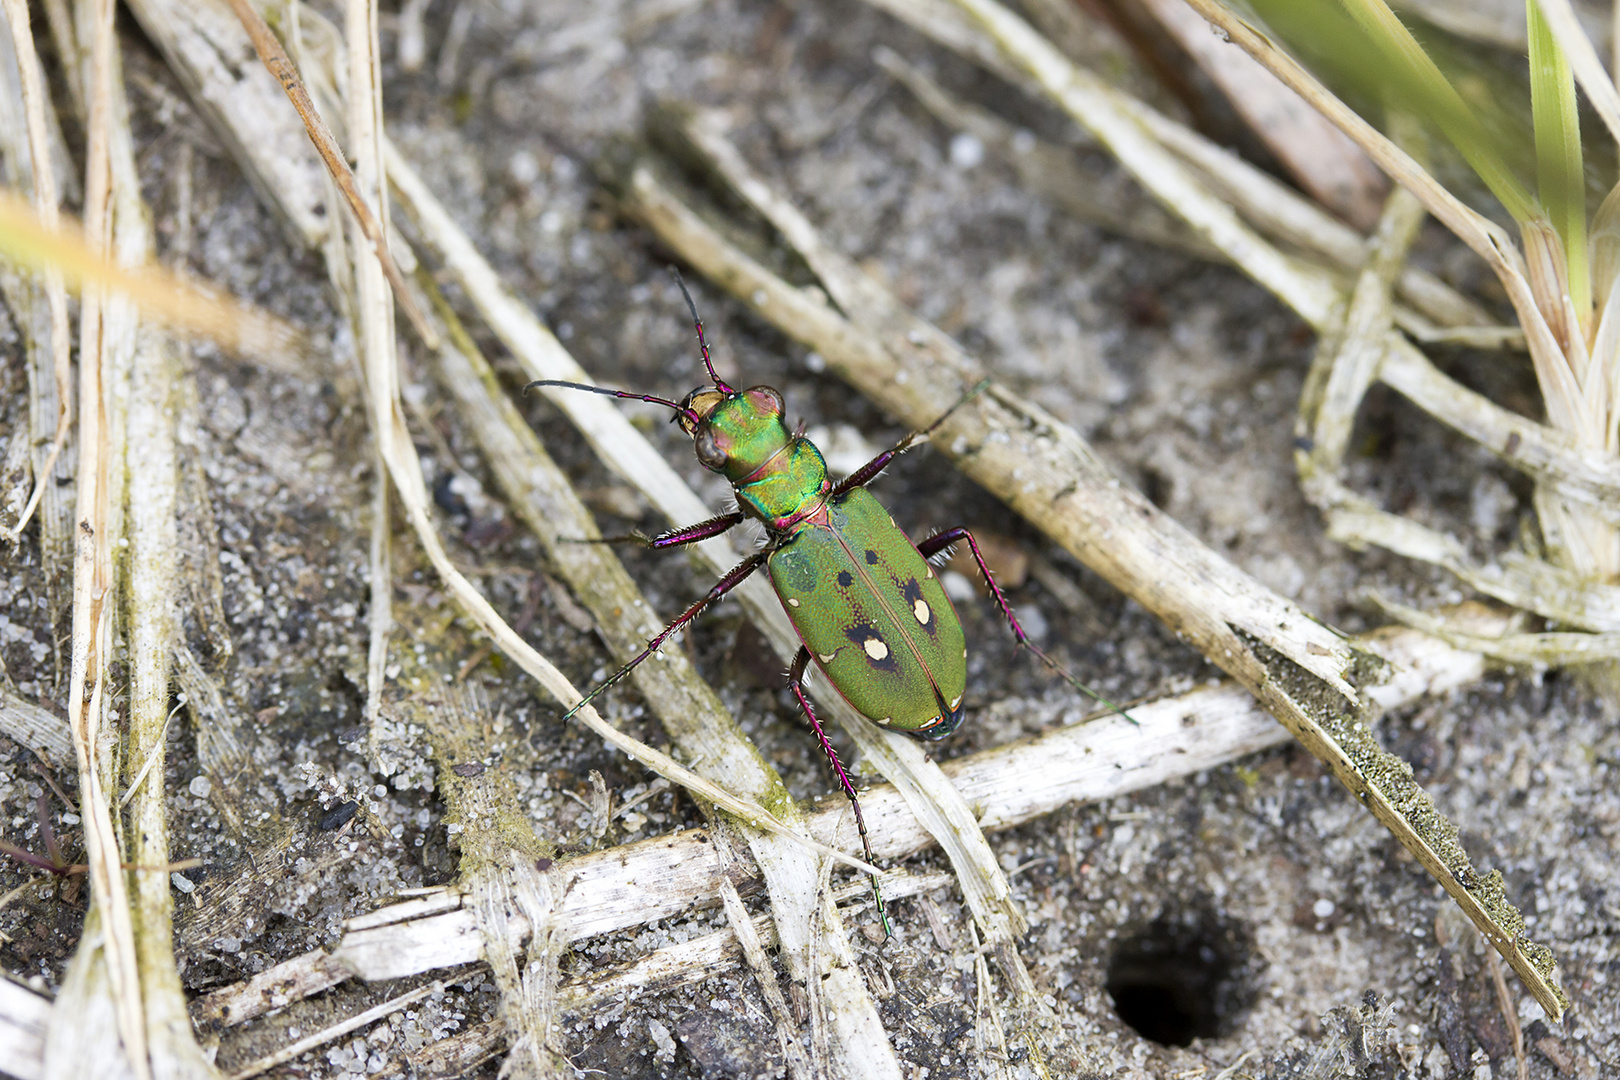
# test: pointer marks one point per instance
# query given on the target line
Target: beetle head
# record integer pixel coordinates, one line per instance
(734, 432)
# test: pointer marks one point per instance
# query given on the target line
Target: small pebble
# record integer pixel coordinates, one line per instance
(966, 151)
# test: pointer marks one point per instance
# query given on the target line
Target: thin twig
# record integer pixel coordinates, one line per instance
(275, 58)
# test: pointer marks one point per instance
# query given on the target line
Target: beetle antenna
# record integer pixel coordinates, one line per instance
(703, 344)
(650, 399)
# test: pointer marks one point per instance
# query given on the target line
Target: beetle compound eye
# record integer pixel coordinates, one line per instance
(767, 399)
(708, 450)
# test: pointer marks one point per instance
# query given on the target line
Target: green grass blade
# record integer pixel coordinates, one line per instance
(1439, 101)
(1559, 167)
(1363, 41)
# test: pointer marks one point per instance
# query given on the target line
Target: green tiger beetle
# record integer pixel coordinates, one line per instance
(866, 604)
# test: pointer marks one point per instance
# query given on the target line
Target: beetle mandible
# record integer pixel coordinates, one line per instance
(867, 606)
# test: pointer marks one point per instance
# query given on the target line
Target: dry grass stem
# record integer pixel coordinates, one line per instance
(1510, 1012)
(1348, 356)
(104, 980)
(1545, 453)
(50, 336)
(1317, 155)
(1520, 649)
(24, 1016)
(161, 295)
(37, 728)
(380, 613)
(1297, 667)
(203, 43)
(373, 226)
(528, 984)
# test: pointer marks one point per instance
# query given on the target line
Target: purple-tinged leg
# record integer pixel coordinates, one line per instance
(737, 576)
(938, 543)
(796, 682)
(869, 472)
(686, 534)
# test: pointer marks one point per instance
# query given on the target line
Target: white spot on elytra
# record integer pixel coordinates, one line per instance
(920, 609)
(930, 569)
(830, 657)
(792, 602)
(964, 652)
(875, 648)
(957, 700)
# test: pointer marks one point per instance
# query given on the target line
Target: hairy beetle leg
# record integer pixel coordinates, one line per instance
(869, 472)
(796, 683)
(736, 577)
(938, 543)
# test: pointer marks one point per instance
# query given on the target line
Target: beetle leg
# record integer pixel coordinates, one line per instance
(869, 472)
(686, 534)
(939, 542)
(796, 682)
(736, 577)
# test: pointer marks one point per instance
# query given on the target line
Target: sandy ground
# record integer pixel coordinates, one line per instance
(1257, 898)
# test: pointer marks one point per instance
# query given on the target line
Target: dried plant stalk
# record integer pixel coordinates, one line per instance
(336, 1031)
(23, 1019)
(103, 981)
(37, 728)
(41, 310)
(373, 227)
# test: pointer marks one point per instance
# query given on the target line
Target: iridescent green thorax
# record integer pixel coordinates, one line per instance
(779, 477)
(792, 486)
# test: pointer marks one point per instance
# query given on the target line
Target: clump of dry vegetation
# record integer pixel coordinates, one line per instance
(540, 925)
